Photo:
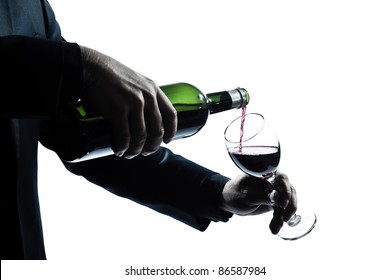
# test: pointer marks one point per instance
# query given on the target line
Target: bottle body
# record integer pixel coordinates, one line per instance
(78, 135)
(191, 106)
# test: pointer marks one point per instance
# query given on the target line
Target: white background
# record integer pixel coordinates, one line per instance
(319, 71)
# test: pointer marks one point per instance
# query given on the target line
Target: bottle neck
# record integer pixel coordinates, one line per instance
(226, 100)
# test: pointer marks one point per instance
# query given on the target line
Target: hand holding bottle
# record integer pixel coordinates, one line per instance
(248, 195)
(140, 114)
(81, 132)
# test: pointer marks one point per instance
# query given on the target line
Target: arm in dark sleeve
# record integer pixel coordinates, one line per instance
(165, 182)
(38, 76)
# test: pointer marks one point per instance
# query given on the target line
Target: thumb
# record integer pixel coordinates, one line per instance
(273, 198)
(277, 221)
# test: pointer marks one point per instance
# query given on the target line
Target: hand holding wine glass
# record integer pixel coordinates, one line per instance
(247, 195)
(255, 149)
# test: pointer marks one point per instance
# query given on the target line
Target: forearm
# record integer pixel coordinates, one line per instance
(38, 76)
(165, 182)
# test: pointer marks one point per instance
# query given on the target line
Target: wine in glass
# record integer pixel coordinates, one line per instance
(255, 149)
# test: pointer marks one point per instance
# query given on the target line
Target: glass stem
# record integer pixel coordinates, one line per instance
(294, 220)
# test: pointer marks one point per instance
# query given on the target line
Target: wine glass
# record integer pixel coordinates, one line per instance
(255, 149)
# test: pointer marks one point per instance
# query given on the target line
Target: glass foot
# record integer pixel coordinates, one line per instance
(298, 226)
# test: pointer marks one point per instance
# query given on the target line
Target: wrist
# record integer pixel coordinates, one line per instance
(87, 67)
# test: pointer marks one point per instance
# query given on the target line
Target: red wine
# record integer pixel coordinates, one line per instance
(243, 111)
(258, 161)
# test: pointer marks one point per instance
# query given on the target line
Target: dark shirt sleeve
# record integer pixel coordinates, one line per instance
(164, 181)
(38, 76)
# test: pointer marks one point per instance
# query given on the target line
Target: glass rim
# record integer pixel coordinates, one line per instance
(238, 118)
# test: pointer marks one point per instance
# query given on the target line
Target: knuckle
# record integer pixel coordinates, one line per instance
(172, 113)
(139, 139)
(282, 177)
(138, 101)
(120, 143)
(151, 89)
(155, 135)
(159, 133)
(149, 96)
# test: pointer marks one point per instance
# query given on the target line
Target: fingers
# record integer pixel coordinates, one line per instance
(291, 208)
(273, 198)
(120, 135)
(154, 127)
(160, 120)
(152, 119)
(128, 126)
(168, 114)
(140, 114)
(248, 195)
(277, 221)
(287, 196)
(137, 129)
(287, 205)
(283, 186)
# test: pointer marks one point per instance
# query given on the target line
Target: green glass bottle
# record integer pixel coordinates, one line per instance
(79, 135)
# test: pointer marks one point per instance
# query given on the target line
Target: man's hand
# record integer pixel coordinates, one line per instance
(247, 195)
(140, 114)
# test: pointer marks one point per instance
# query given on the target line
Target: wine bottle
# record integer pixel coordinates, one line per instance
(78, 135)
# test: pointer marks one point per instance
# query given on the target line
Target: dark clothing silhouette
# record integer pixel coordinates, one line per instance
(39, 73)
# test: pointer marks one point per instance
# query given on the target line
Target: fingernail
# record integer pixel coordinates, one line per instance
(119, 154)
(147, 153)
(270, 198)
